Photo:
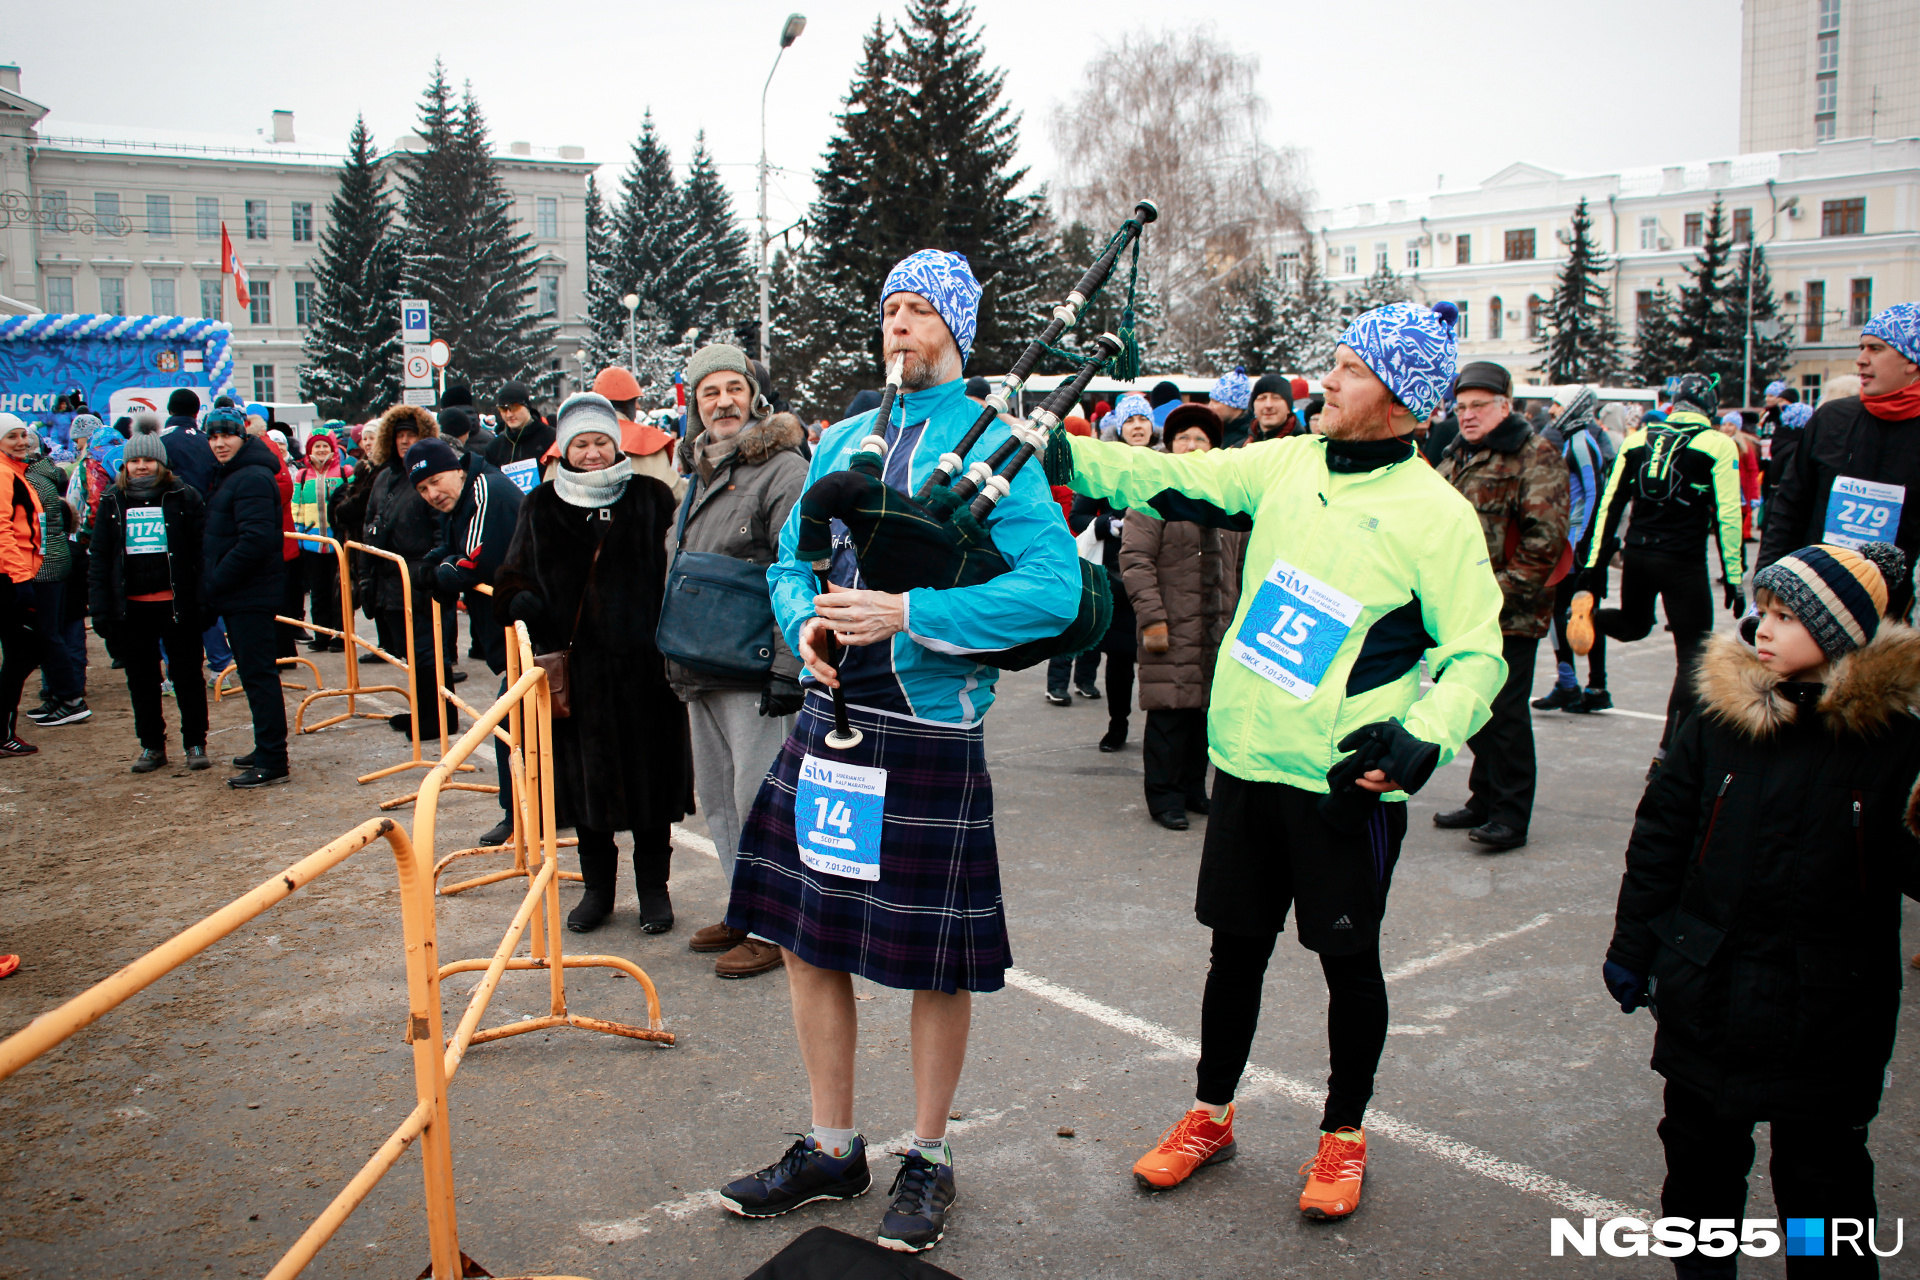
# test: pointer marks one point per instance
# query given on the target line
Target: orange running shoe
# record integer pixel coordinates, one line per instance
(1197, 1141)
(1580, 623)
(1334, 1173)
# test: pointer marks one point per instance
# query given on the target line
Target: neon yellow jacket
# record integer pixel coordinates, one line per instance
(1399, 540)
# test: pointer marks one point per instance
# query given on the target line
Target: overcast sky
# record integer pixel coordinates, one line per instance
(1382, 97)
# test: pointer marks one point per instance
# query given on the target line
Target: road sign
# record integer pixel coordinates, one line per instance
(415, 321)
(416, 364)
(439, 352)
(422, 396)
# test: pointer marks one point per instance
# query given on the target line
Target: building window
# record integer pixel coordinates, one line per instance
(113, 296)
(106, 213)
(1413, 255)
(256, 219)
(303, 220)
(1352, 256)
(213, 296)
(1810, 384)
(1692, 230)
(53, 209)
(1286, 267)
(546, 217)
(303, 299)
(1379, 255)
(1826, 95)
(1536, 317)
(161, 288)
(60, 295)
(263, 383)
(1465, 322)
(1829, 16)
(549, 295)
(1816, 309)
(1520, 245)
(1649, 233)
(1462, 250)
(159, 217)
(1642, 303)
(1860, 303)
(260, 301)
(1843, 217)
(1495, 325)
(1742, 225)
(206, 217)
(1827, 54)
(1823, 129)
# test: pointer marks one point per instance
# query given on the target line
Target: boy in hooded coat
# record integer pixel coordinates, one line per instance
(1759, 916)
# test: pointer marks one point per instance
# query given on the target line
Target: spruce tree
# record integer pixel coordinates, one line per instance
(464, 252)
(1705, 299)
(353, 342)
(1658, 353)
(606, 316)
(656, 250)
(1382, 288)
(1581, 343)
(1308, 323)
(723, 282)
(1249, 318)
(1772, 343)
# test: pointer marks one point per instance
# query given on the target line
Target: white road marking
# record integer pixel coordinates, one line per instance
(1447, 955)
(1414, 1029)
(694, 841)
(1636, 715)
(1520, 1177)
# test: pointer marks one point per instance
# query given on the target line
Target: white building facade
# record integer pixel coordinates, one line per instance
(1839, 222)
(126, 222)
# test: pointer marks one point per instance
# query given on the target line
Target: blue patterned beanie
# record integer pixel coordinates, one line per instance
(1413, 349)
(1899, 327)
(945, 280)
(1232, 390)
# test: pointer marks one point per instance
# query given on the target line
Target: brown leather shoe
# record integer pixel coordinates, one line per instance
(750, 958)
(716, 937)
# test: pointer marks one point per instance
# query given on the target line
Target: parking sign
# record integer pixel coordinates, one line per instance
(415, 321)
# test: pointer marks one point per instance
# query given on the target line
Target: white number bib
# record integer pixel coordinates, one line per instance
(146, 531)
(1862, 511)
(837, 811)
(1293, 629)
(524, 474)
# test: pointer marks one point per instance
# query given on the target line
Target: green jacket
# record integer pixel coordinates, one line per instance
(1397, 540)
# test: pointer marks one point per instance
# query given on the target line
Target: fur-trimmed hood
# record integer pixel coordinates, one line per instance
(1864, 691)
(755, 443)
(377, 439)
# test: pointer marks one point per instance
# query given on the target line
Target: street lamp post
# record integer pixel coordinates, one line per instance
(789, 32)
(1746, 373)
(630, 302)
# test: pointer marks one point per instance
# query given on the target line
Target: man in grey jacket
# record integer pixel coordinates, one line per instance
(746, 467)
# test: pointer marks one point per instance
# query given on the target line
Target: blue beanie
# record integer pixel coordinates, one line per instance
(1899, 327)
(230, 421)
(946, 281)
(1413, 349)
(1132, 405)
(1232, 390)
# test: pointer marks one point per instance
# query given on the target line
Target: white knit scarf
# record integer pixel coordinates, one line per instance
(600, 488)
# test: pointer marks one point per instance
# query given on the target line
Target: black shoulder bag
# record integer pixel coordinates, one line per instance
(717, 617)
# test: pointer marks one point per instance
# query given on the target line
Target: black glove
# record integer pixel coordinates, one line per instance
(525, 607)
(449, 580)
(1734, 598)
(1385, 745)
(1624, 985)
(1595, 580)
(781, 697)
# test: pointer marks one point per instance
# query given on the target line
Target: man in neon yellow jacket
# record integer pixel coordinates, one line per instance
(1361, 562)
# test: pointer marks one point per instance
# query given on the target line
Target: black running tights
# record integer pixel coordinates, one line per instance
(1356, 1023)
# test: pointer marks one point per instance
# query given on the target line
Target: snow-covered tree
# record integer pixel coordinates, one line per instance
(353, 342)
(1580, 342)
(1710, 340)
(722, 281)
(1658, 353)
(1772, 344)
(1383, 287)
(1307, 324)
(1249, 320)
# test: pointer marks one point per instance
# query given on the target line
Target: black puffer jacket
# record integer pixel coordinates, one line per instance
(189, 456)
(1763, 882)
(186, 515)
(398, 518)
(242, 564)
(1843, 439)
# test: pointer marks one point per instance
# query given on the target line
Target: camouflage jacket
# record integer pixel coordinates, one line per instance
(1518, 484)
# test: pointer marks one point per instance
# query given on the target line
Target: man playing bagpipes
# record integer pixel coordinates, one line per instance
(878, 859)
(1361, 562)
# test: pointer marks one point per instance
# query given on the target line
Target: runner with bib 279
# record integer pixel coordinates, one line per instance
(1361, 562)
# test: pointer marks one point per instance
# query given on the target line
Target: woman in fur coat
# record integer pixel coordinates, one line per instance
(586, 571)
(1759, 916)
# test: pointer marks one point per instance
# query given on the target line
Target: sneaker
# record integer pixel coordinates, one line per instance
(922, 1193)
(15, 747)
(1594, 700)
(1580, 623)
(46, 708)
(1090, 692)
(243, 762)
(1334, 1173)
(259, 776)
(1058, 699)
(197, 759)
(149, 760)
(1196, 1142)
(801, 1176)
(166, 688)
(1560, 698)
(65, 713)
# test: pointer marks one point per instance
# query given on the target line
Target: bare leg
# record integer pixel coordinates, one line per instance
(825, 1023)
(940, 1026)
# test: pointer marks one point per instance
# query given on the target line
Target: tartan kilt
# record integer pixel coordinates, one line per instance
(933, 921)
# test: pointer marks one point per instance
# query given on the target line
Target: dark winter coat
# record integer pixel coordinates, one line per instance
(509, 445)
(621, 760)
(475, 535)
(1843, 439)
(1763, 882)
(740, 502)
(47, 481)
(1518, 484)
(1186, 576)
(189, 456)
(1120, 639)
(398, 518)
(242, 569)
(185, 512)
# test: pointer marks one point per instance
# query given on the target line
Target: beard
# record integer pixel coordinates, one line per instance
(1340, 423)
(919, 371)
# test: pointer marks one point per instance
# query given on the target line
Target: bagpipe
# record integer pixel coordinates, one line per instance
(939, 537)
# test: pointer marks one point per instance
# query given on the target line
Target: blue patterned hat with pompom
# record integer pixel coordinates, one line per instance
(1411, 348)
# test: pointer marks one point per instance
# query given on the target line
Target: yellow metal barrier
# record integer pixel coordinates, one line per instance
(345, 634)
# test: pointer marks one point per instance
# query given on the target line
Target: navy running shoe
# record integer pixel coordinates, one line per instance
(800, 1177)
(922, 1193)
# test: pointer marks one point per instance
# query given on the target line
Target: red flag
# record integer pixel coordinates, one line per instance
(230, 266)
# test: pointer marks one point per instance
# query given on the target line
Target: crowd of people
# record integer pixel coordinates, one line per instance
(1319, 598)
